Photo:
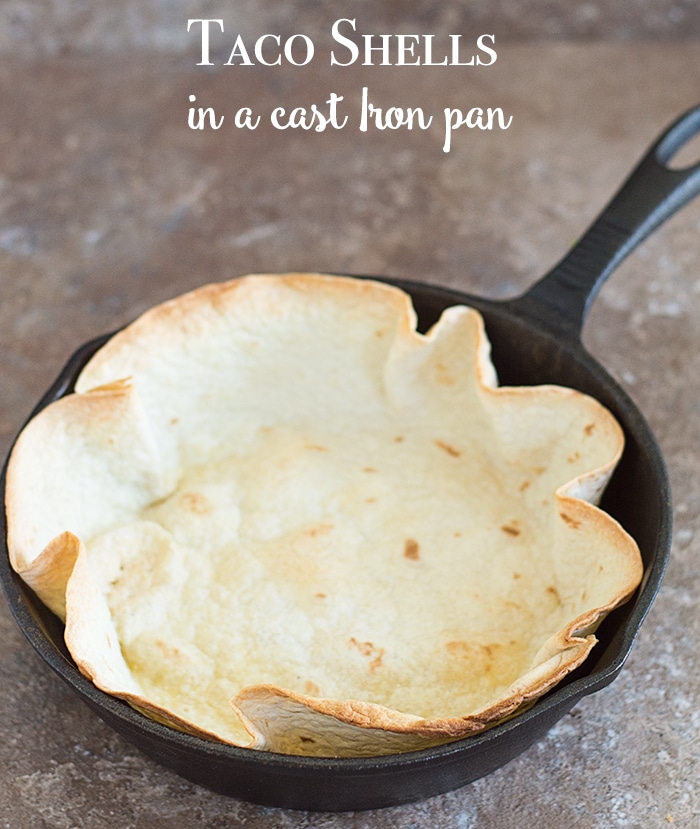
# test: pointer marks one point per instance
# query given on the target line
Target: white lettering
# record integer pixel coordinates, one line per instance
(455, 53)
(404, 48)
(205, 37)
(384, 49)
(309, 50)
(474, 119)
(239, 51)
(311, 118)
(344, 41)
(394, 118)
(429, 52)
(196, 117)
(244, 119)
(259, 53)
(488, 49)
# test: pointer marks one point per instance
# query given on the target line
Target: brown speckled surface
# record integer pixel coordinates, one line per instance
(109, 203)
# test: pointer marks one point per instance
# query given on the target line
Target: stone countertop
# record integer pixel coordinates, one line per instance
(110, 203)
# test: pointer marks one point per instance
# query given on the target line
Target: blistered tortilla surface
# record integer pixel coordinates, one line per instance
(273, 514)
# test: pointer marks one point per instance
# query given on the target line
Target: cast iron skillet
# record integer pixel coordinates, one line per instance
(536, 339)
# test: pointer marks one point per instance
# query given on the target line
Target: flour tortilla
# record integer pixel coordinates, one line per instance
(274, 515)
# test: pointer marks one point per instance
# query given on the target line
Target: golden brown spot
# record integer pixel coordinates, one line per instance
(174, 420)
(457, 534)
(312, 690)
(369, 469)
(481, 654)
(399, 439)
(572, 522)
(321, 595)
(575, 457)
(443, 375)
(365, 648)
(459, 648)
(588, 430)
(379, 333)
(370, 500)
(455, 453)
(539, 470)
(368, 649)
(411, 549)
(316, 447)
(120, 387)
(508, 529)
(319, 529)
(524, 485)
(517, 576)
(377, 661)
(170, 652)
(196, 503)
(552, 590)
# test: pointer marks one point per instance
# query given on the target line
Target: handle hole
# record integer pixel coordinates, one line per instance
(687, 156)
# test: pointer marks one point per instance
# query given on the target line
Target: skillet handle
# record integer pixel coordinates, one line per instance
(652, 193)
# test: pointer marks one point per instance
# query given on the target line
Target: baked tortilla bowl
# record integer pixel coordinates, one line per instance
(275, 778)
(532, 345)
